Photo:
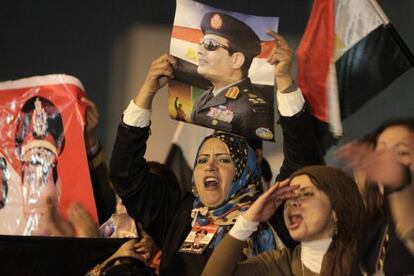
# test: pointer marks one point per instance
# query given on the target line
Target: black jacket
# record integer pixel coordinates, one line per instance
(165, 211)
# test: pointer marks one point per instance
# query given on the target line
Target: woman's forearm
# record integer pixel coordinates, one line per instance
(225, 257)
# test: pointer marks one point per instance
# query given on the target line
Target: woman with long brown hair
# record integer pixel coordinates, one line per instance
(324, 213)
(384, 163)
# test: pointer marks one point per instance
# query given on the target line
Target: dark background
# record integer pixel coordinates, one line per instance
(40, 37)
(77, 37)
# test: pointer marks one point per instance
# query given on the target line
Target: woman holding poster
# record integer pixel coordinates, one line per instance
(226, 176)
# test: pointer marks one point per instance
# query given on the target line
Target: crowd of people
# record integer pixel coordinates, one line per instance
(314, 220)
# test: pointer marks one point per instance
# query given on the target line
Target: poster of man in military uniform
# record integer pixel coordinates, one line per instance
(222, 59)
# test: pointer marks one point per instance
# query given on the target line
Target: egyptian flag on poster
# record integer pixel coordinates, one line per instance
(349, 53)
(185, 39)
(43, 152)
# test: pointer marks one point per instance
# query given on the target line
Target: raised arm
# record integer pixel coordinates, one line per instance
(394, 171)
(98, 169)
(161, 70)
(146, 197)
(227, 257)
(300, 144)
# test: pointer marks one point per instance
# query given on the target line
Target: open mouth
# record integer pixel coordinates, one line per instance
(211, 183)
(294, 221)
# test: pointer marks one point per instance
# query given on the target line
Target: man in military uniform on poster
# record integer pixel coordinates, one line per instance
(231, 104)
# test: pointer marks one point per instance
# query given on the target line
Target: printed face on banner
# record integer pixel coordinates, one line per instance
(39, 139)
(41, 131)
(4, 177)
(198, 239)
(215, 64)
(223, 80)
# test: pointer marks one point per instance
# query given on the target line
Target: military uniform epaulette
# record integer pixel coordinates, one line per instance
(233, 93)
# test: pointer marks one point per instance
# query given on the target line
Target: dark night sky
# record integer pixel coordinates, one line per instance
(76, 37)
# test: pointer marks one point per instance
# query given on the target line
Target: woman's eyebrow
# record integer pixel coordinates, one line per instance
(216, 154)
(405, 144)
(224, 153)
(305, 188)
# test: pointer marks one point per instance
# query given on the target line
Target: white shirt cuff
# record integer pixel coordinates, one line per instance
(243, 228)
(291, 103)
(136, 116)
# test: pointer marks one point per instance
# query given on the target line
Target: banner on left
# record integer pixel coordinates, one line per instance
(42, 153)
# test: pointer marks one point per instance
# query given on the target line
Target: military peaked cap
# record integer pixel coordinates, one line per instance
(241, 37)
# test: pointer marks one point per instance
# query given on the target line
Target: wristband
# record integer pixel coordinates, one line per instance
(243, 228)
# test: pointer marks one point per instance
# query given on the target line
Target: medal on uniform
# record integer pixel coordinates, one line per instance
(264, 133)
(221, 113)
(198, 239)
(253, 101)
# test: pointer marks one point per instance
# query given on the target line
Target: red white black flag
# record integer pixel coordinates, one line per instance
(349, 53)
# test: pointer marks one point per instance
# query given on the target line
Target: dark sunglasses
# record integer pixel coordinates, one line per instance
(212, 45)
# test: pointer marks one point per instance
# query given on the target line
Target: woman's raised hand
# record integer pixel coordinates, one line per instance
(161, 70)
(266, 204)
(281, 57)
(391, 167)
